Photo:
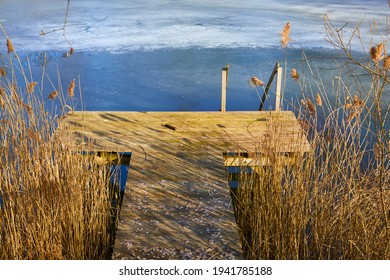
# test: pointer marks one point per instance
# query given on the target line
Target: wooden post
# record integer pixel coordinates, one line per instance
(271, 78)
(225, 74)
(278, 88)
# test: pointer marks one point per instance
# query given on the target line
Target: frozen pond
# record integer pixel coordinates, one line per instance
(167, 55)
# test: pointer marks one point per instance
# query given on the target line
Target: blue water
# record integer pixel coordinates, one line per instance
(162, 55)
(177, 79)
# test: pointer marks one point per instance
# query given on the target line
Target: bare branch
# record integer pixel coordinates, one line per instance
(335, 37)
(43, 33)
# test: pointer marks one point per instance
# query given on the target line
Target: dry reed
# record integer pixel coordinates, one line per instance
(332, 202)
(321, 205)
(310, 106)
(71, 89)
(377, 53)
(53, 95)
(31, 86)
(55, 204)
(386, 63)
(357, 102)
(256, 82)
(319, 100)
(10, 46)
(285, 35)
(294, 74)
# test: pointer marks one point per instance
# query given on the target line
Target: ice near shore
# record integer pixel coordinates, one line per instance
(167, 55)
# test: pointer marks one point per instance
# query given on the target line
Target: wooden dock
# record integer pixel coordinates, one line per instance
(177, 203)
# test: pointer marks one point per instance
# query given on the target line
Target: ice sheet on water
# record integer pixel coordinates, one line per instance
(167, 54)
(119, 26)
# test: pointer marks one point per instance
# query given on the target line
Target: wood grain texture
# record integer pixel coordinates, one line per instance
(177, 203)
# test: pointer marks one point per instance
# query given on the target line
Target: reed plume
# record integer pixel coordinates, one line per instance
(10, 46)
(376, 53)
(31, 87)
(318, 100)
(53, 95)
(294, 74)
(3, 73)
(285, 34)
(71, 89)
(386, 63)
(256, 82)
(357, 102)
(310, 106)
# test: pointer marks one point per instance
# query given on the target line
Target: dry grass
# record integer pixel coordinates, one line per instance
(332, 203)
(55, 204)
(321, 206)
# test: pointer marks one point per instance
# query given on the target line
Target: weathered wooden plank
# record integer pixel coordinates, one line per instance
(247, 128)
(177, 204)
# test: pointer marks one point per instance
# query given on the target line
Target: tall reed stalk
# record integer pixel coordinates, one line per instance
(334, 202)
(55, 204)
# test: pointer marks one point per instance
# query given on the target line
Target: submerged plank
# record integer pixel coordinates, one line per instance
(177, 203)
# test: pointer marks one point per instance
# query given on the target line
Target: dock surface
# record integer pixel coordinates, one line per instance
(177, 203)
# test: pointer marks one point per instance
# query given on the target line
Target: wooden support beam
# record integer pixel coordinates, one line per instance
(271, 78)
(278, 88)
(225, 75)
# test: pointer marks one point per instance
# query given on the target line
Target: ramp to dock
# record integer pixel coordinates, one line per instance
(177, 203)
